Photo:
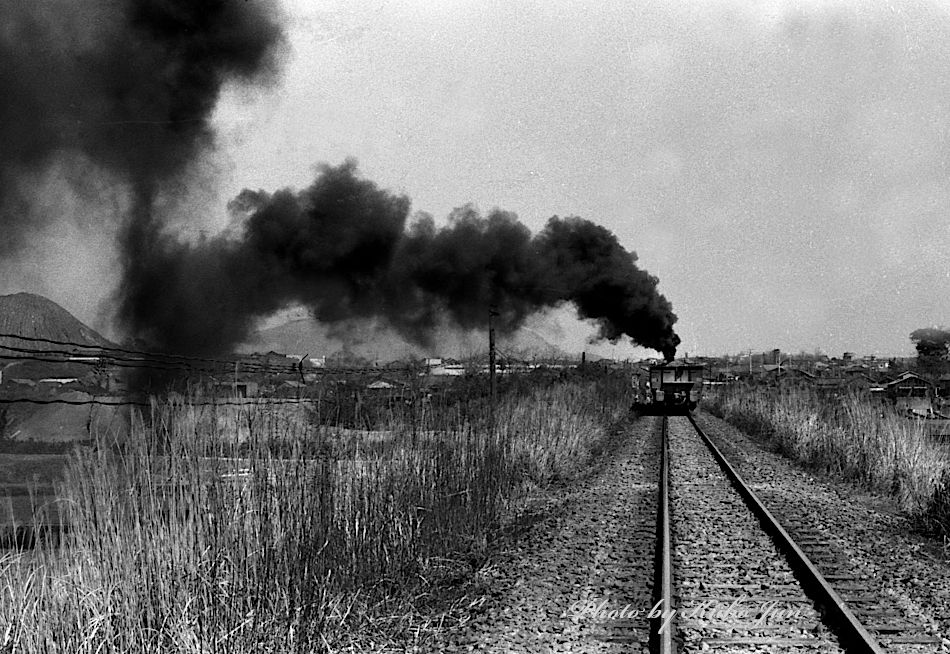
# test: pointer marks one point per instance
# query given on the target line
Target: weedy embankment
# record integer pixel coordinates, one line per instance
(271, 528)
(850, 438)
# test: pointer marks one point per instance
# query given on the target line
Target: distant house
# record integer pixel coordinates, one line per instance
(830, 384)
(237, 388)
(387, 385)
(801, 373)
(911, 392)
(942, 401)
(382, 382)
(245, 388)
(271, 362)
(787, 375)
(446, 370)
(726, 373)
(841, 384)
(910, 384)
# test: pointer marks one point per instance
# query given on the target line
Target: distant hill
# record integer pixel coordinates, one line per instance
(26, 314)
(307, 336)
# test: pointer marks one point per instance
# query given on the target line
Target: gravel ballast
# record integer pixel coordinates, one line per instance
(579, 577)
(909, 572)
(580, 580)
(725, 562)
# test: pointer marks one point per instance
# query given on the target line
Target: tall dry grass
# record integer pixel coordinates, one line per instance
(851, 438)
(262, 528)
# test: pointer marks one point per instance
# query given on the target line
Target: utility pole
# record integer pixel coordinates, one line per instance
(492, 312)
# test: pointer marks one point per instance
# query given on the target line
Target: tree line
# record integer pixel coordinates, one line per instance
(933, 348)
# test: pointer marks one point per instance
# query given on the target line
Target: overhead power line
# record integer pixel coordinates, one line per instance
(148, 360)
(125, 351)
(249, 402)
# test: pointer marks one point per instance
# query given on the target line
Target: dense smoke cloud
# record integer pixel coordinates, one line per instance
(127, 85)
(123, 92)
(345, 249)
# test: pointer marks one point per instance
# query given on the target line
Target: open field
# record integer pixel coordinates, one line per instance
(190, 539)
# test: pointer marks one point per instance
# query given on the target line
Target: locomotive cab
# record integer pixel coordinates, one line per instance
(674, 387)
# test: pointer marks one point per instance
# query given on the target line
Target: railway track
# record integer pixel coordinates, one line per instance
(739, 581)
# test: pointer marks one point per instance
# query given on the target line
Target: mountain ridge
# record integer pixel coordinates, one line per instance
(34, 316)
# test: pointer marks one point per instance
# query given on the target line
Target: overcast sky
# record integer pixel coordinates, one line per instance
(780, 166)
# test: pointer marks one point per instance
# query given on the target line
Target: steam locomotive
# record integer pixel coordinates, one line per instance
(669, 388)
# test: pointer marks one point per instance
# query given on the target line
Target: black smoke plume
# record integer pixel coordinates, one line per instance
(344, 248)
(126, 87)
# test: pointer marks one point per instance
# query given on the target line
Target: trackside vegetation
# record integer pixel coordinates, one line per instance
(274, 529)
(848, 437)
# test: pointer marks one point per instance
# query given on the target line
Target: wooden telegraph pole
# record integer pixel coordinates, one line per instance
(492, 312)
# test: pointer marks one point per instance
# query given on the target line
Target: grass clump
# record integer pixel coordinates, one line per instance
(268, 528)
(852, 438)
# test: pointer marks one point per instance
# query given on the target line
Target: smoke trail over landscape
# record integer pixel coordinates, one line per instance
(128, 87)
(344, 248)
(117, 95)
(123, 92)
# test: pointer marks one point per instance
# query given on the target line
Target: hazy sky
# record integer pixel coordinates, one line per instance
(782, 167)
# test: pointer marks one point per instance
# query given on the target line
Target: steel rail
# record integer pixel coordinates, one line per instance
(853, 636)
(661, 628)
